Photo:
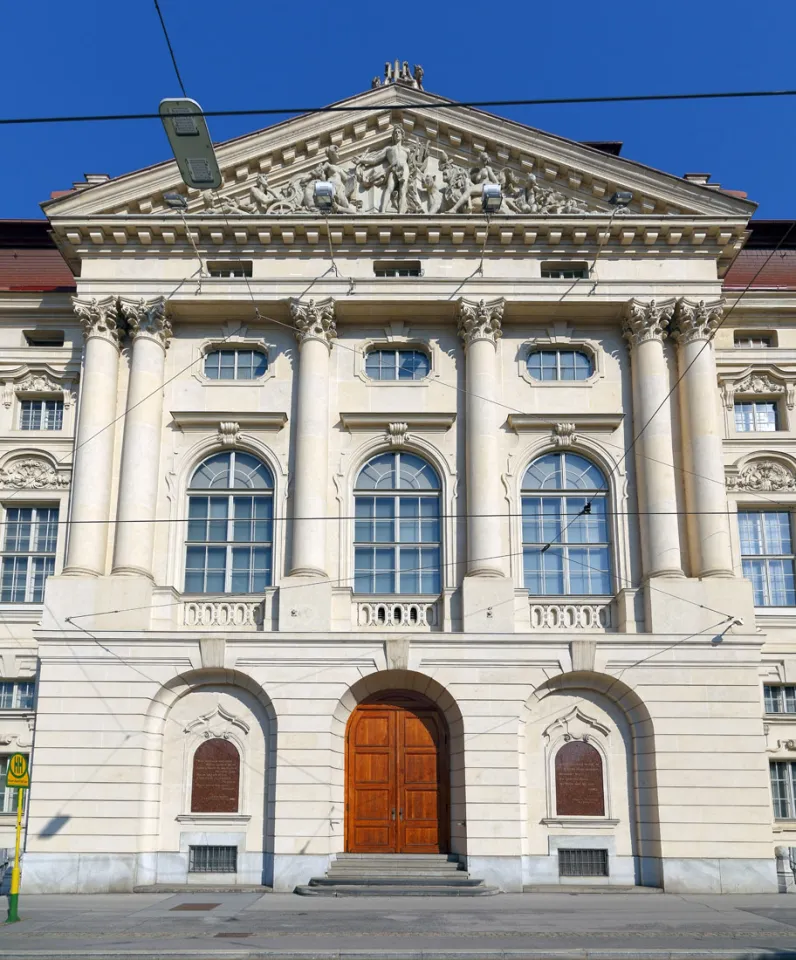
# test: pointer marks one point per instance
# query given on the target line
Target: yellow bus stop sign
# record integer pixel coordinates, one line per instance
(17, 774)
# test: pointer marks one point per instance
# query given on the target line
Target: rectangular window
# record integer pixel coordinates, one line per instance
(44, 338)
(398, 268)
(212, 859)
(565, 271)
(759, 416)
(230, 269)
(8, 795)
(783, 788)
(17, 694)
(29, 541)
(753, 341)
(779, 699)
(767, 556)
(41, 415)
(583, 863)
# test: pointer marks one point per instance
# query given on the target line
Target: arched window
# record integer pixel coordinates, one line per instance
(215, 783)
(579, 781)
(560, 365)
(565, 551)
(230, 525)
(397, 529)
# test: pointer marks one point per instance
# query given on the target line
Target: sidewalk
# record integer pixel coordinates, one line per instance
(251, 925)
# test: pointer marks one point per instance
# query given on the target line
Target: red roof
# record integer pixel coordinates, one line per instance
(29, 260)
(764, 269)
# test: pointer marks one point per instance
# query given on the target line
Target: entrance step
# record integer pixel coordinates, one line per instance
(399, 875)
(586, 888)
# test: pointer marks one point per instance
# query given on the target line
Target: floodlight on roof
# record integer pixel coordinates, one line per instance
(323, 193)
(175, 200)
(621, 198)
(190, 141)
(491, 197)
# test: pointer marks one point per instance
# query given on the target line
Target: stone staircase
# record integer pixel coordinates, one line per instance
(395, 875)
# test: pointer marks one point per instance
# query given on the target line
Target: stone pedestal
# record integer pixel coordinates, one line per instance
(488, 605)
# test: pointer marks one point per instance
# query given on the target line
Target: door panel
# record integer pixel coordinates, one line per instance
(397, 778)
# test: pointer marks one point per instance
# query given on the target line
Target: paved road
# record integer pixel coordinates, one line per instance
(252, 925)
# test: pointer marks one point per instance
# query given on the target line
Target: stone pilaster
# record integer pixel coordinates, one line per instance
(91, 485)
(706, 500)
(150, 332)
(645, 325)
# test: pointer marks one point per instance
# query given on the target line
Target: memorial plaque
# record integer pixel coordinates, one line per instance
(579, 781)
(216, 778)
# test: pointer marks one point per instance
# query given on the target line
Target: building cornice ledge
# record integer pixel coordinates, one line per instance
(585, 422)
(413, 421)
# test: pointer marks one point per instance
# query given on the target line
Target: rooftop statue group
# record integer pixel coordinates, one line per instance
(401, 171)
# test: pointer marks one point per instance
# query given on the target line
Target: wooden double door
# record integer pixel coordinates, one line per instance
(397, 777)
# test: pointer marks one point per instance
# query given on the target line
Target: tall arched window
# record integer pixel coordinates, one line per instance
(230, 525)
(397, 529)
(565, 551)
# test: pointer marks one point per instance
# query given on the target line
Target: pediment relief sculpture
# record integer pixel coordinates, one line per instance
(765, 475)
(38, 383)
(758, 383)
(405, 176)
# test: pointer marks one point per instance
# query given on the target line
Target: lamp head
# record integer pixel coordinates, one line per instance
(323, 193)
(491, 197)
(621, 198)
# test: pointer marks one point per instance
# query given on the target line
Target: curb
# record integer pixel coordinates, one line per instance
(259, 954)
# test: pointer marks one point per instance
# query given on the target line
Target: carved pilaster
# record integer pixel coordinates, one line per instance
(314, 320)
(100, 318)
(646, 320)
(480, 320)
(696, 320)
(147, 318)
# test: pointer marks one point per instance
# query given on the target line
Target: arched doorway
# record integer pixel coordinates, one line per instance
(397, 776)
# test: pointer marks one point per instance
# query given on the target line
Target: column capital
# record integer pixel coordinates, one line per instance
(314, 320)
(99, 317)
(147, 318)
(480, 320)
(646, 320)
(696, 319)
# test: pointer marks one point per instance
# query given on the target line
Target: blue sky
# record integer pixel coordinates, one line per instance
(109, 56)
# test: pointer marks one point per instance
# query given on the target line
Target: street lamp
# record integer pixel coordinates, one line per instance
(190, 141)
(491, 197)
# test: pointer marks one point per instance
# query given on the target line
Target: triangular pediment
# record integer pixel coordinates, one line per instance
(393, 156)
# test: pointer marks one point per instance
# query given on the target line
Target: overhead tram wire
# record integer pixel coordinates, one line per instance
(171, 49)
(443, 105)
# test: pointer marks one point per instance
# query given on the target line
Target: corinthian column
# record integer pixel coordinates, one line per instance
(480, 329)
(143, 426)
(706, 498)
(315, 330)
(645, 327)
(91, 482)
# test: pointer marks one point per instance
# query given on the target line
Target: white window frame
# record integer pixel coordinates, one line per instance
(759, 423)
(16, 694)
(5, 553)
(557, 351)
(41, 405)
(396, 350)
(236, 351)
(767, 556)
(753, 341)
(789, 782)
(784, 694)
(566, 342)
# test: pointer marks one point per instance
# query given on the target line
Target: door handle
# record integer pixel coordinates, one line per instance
(392, 812)
(400, 814)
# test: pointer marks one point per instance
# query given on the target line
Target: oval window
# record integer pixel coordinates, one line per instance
(235, 364)
(397, 365)
(560, 365)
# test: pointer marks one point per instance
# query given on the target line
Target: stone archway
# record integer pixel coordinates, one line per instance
(397, 776)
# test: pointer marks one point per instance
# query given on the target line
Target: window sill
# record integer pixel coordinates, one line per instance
(21, 612)
(204, 818)
(579, 822)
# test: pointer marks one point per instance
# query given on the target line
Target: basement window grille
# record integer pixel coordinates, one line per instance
(583, 863)
(212, 859)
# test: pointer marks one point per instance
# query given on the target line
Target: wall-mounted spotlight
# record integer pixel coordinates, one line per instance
(323, 193)
(491, 197)
(176, 201)
(621, 198)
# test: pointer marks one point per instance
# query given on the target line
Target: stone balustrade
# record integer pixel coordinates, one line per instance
(223, 614)
(403, 614)
(570, 615)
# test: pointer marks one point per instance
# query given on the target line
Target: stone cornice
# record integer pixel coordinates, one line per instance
(582, 422)
(413, 421)
(199, 419)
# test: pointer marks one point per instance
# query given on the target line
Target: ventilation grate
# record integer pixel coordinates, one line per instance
(583, 863)
(212, 860)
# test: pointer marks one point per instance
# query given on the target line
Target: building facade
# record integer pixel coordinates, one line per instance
(400, 527)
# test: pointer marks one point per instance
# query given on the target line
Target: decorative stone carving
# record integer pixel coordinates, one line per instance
(696, 319)
(314, 320)
(763, 475)
(147, 318)
(406, 177)
(228, 433)
(564, 434)
(647, 320)
(99, 317)
(398, 72)
(218, 724)
(575, 724)
(480, 320)
(404, 614)
(32, 473)
(397, 434)
(37, 383)
(570, 616)
(228, 614)
(757, 384)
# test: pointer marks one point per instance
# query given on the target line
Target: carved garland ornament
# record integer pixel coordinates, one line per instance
(32, 473)
(763, 475)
